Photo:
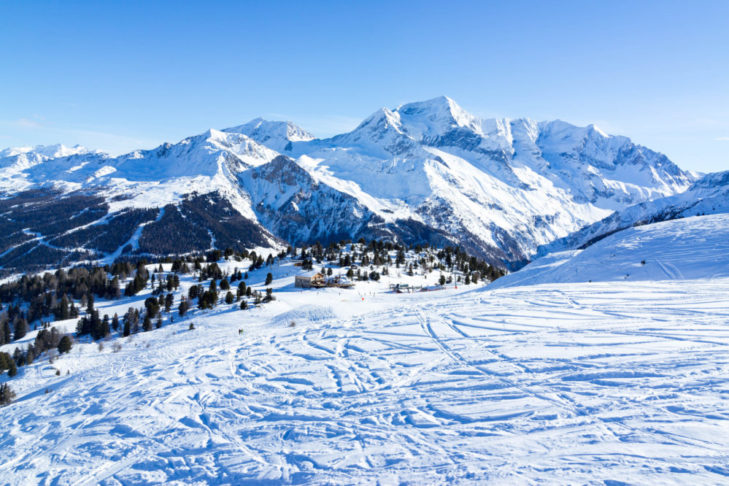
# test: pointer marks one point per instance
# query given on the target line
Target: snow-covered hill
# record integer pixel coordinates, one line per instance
(695, 247)
(423, 172)
(708, 195)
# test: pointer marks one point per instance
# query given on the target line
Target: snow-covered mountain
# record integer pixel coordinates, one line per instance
(498, 187)
(172, 199)
(423, 172)
(274, 134)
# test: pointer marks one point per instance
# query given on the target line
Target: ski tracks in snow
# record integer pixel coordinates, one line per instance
(562, 383)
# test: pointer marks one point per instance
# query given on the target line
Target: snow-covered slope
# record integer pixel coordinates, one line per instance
(708, 195)
(608, 383)
(695, 247)
(423, 172)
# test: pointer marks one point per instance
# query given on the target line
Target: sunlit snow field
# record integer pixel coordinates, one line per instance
(606, 382)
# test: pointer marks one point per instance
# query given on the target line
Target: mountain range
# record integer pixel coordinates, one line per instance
(424, 172)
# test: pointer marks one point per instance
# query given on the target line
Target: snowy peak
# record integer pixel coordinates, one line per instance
(206, 155)
(559, 137)
(47, 151)
(420, 122)
(277, 135)
(380, 135)
(21, 158)
(436, 117)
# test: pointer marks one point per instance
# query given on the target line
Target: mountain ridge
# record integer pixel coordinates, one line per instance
(501, 188)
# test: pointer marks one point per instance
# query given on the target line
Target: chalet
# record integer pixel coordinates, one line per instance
(310, 280)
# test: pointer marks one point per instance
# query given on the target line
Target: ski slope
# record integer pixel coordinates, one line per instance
(561, 383)
(688, 248)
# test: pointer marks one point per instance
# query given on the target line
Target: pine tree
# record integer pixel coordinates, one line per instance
(21, 328)
(4, 330)
(152, 306)
(269, 279)
(63, 311)
(131, 321)
(64, 346)
(184, 306)
(105, 327)
(115, 291)
(90, 303)
(115, 323)
(13, 368)
(147, 324)
(6, 394)
(5, 360)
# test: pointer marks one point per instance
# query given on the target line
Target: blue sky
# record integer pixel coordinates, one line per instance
(124, 75)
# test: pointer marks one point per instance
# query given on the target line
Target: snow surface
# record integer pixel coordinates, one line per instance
(708, 195)
(681, 249)
(603, 383)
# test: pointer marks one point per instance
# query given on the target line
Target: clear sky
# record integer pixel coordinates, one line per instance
(123, 75)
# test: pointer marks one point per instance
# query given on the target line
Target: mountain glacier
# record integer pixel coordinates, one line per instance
(422, 172)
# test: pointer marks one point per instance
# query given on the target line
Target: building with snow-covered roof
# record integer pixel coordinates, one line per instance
(309, 280)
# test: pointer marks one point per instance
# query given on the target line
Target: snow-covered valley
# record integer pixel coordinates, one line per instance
(604, 382)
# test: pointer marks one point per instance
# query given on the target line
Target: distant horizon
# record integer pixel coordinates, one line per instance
(118, 77)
